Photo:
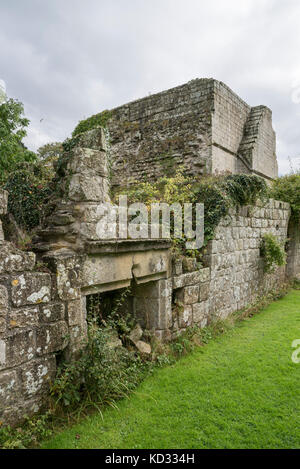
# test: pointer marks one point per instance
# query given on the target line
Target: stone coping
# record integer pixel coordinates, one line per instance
(126, 245)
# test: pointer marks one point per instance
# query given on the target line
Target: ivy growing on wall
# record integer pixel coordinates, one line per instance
(29, 188)
(287, 189)
(217, 193)
(272, 253)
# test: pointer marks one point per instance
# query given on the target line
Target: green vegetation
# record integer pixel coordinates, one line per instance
(218, 193)
(25, 175)
(29, 189)
(272, 253)
(50, 152)
(239, 391)
(101, 375)
(13, 126)
(98, 120)
(287, 189)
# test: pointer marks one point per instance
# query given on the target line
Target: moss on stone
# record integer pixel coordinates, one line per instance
(97, 120)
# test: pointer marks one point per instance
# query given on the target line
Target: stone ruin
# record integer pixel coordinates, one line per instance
(43, 313)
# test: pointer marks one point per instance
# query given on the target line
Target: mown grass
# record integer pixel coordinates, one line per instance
(239, 391)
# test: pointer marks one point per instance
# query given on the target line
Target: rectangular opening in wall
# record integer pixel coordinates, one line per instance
(109, 306)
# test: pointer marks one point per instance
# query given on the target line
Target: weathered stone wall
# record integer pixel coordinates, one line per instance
(237, 276)
(83, 187)
(40, 315)
(202, 125)
(43, 313)
(293, 260)
(258, 146)
(228, 121)
(32, 329)
(234, 275)
(152, 136)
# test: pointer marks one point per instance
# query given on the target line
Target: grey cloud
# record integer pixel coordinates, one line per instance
(68, 59)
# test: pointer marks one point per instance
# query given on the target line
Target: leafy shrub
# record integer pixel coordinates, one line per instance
(212, 194)
(217, 193)
(13, 126)
(272, 253)
(101, 375)
(28, 435)
(287, 189)
(50, 152)
(245, 189)
(29, 188)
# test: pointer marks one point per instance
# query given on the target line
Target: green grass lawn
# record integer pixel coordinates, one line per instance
(240, 391)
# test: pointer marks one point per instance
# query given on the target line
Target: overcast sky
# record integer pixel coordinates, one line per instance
(68, 59)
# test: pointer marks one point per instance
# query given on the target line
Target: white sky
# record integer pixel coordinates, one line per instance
(68, 59)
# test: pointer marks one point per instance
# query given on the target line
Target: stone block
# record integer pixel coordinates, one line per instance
(200, 313)
(77, 337)
(68, 275)
(24, 317)
(204, 291)
(154, 312)
(15, 413)
(98, 231)
(76, 312)
(86, 188)
(178, 282)
(93, 213)
(146, 312)
(14, 260)
(192, 278)
(17, 348)
(3, 300)
(31, 288)
(52, 313)
(189, 264)
(189, 295)
(157, 289)
(51, 338)
(37, 376)
(184, 280)
(2, 326)
(163, 336)
(87, 159)
(204, 274)
(9, 388)
(177, 266)
(165, 313)
(94, 139)
(185, 316)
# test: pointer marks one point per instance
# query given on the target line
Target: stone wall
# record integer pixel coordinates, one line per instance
(83, 186)
(40, 316)
(293, 260)
(228, 121)
(233, 276)
(151, 136)
(43, 316)
(202, 125)
(43, 305)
